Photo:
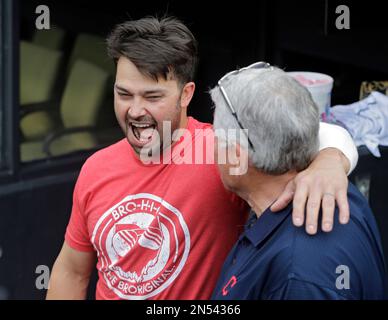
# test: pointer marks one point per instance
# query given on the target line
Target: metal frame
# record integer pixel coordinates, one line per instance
(9, 88)
(13, 174)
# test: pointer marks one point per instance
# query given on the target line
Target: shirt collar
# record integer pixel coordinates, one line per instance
(262, 227)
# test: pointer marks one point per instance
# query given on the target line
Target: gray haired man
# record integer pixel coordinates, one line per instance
(272, 259)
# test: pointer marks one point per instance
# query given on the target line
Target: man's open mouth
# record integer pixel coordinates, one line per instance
(143, 132)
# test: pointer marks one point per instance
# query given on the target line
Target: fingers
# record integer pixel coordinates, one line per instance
(299, 204)
(312, 210)
(327, 201)
(309, 199)
(328, 208)
(312, 196)
(343, 206)
(285, 198)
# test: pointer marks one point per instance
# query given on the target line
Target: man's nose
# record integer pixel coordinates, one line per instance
(136, 109)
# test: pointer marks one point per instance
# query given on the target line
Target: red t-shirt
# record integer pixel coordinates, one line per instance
(161, 231)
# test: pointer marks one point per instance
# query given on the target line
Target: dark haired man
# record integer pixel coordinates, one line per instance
(161, 230)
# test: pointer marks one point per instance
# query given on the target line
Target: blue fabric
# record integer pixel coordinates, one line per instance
(366, 121)
(275, 260)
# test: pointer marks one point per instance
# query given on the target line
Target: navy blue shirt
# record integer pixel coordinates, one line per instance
(275, 260)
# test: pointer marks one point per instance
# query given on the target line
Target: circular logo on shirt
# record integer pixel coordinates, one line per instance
(143, 243)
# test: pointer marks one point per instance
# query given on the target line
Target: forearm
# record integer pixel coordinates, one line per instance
(335, 137)
(67, 285)
(336, 155)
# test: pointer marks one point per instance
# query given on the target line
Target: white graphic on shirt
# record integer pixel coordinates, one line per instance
(143, 243)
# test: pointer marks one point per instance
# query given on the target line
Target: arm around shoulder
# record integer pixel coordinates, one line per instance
(333, 136)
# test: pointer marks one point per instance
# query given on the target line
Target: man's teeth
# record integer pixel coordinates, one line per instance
(138, 125)
(142, 135)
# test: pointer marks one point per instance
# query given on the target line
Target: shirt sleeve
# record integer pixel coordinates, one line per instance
(294, 289)
(333, 136)
(77, 235)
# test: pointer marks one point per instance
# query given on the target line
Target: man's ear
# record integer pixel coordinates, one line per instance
(239, 158)
(235, 153)
(187, 94)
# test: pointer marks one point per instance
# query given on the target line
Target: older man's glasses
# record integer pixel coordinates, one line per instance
(256, 65)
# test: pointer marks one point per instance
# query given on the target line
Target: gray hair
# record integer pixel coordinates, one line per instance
(281, 118)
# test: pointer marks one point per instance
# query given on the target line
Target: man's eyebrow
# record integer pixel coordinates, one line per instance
(145, 92)
(121, 88)
(155, 91)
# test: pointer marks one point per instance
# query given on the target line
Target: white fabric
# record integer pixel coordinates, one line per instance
(333, 136)
(366, 121)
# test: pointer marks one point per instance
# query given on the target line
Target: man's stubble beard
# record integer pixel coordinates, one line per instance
(158, 149)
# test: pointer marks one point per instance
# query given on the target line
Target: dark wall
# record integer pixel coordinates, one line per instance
(371, 176)
(32, 226)
(306, 39)
(295, 35)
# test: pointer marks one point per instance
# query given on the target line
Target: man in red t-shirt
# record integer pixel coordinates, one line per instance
(151, 210)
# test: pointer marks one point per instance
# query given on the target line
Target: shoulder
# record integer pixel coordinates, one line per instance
(200, 130)
(354, 248)
(353, 236)
(106, 155)
(104, 161)
(305, 267)
(196, 124)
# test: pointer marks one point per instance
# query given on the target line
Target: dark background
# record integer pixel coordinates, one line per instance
(35, 203)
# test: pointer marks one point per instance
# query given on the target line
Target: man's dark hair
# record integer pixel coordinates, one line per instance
(156, 47)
